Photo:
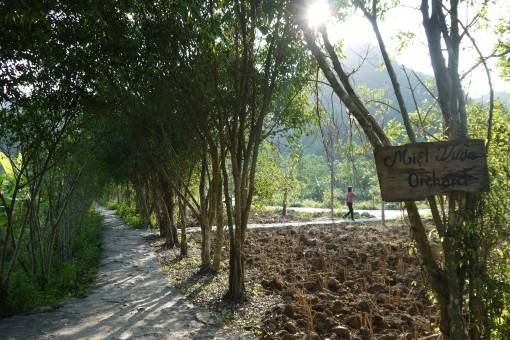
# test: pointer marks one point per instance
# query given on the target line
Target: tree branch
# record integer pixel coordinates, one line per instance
(491, 89)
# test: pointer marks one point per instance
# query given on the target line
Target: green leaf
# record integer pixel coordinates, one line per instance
(3, 217)
(5, 162)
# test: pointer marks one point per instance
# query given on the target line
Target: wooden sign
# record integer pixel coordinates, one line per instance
(415, 171)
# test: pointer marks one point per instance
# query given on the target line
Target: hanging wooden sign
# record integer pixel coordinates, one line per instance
(415, 171)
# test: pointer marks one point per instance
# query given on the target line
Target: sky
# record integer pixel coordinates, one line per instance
(407, 18)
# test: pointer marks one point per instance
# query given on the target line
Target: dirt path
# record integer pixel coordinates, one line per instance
(323, 221)
(131, 299)
(389, 214)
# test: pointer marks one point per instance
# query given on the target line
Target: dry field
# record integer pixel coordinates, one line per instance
(349, 281)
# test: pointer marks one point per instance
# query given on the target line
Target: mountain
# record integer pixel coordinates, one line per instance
(367, 68)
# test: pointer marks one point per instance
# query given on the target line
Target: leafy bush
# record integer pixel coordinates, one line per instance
(130, 216)
(23, 294)
(112, 205)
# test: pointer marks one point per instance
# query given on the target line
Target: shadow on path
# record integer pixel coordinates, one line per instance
(131, 299)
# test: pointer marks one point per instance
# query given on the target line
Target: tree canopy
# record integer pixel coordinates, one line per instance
(193, 110)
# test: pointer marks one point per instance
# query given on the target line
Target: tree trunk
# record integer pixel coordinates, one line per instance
(383, 214)
(169, 232)
(205, 226)
(284, 203)
(331, 187)
(205, 245)
(173, 225)
(182, 218)
(169, 209)
(236, 289)
(3, 298)
(219, 231)
(219, 239)
(217, 160)
(158, 209)
(162, 221)
(451, 246)
(141, 203)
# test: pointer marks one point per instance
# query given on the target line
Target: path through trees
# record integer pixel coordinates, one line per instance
(131, 299)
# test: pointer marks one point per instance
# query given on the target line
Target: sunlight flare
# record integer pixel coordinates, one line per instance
(317, 13)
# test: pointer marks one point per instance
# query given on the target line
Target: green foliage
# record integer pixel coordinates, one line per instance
(11, 180)
(395, 132)
(277, 174)
(314, 173)
(112, 205)
(268, 175)
(493, 226)
(129, 215)
(404, 39)
(68, 279)
(503, 32)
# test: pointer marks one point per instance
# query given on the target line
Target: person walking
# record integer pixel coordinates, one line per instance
(348, 200)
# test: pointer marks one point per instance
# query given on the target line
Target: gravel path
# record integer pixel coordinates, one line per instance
(131, 299)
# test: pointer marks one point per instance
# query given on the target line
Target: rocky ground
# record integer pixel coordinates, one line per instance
(345, 281)
(341, 282)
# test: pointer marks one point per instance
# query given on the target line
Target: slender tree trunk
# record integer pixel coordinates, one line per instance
(383, 214)
(141, 203)
(233, 263)
(284, 203)
(169, 232)
(147, 201)
(3, 297)
(236, 273)
(205, 226)
(332, 189)
(162, 221)
(173, 225)
(205, 245)
(219, 216)
(182, 218)
(33, 245)
(219, 236)
(236, 289)
(156, 204)
(451, 245)
(217, 159)
(169, 209)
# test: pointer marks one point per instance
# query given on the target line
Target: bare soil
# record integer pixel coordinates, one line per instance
(316, 282)
(341, 282)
